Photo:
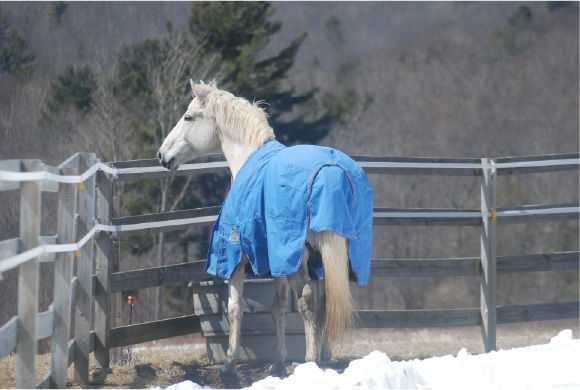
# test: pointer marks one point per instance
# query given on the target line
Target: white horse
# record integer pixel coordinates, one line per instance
(217, 121)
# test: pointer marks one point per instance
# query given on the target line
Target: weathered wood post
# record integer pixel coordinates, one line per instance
(63, 273)
(104, 257)
(488, 256)
(84, 289)
(28, 279)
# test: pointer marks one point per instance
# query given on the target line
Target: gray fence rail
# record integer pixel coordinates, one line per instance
(88, 230)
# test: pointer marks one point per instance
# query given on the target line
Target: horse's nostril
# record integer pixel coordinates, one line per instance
(171, 164)
(159, 155)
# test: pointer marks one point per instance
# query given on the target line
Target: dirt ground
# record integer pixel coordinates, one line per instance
(171, 361)
(205, 374)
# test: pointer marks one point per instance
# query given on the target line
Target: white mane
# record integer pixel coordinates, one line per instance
(245, 122)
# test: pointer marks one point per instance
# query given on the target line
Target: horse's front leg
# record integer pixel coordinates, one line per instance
(235, 314)
(279, 310)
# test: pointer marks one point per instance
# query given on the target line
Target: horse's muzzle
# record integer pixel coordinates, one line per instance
(171, 164)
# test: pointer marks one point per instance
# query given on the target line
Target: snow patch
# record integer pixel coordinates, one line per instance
(563, 337)
(553, 365)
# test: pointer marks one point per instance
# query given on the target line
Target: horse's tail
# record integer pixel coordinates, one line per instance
(340, 312)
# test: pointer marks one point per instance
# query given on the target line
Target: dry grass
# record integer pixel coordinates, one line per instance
(156, 366)
(8, 370)
(413, 343)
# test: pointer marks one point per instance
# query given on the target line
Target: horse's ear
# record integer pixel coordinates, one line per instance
(192, 85)
(200, 91)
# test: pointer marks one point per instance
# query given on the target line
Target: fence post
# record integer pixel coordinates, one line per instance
(63, 273)
(117, 298)
(84, 289)
(104, 259)
(488, 256)
(28, 278)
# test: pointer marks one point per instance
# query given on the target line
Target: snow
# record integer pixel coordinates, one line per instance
(553, 365)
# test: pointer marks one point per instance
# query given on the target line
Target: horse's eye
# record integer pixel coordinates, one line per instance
(187, 118)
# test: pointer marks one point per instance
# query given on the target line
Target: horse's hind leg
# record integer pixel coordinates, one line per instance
(279, 309)
(320, 324)
(307, 307)
(235, 313)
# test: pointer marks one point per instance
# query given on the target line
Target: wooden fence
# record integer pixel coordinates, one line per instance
(88, 232)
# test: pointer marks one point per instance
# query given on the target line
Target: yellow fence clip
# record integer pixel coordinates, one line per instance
(493, 217)
(76, 253)
(80, 185)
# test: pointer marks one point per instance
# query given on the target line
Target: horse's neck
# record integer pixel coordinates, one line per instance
(237, 149)
(236, 154)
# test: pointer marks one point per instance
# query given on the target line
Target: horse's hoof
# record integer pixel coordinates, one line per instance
(227, 368)
(278, 369)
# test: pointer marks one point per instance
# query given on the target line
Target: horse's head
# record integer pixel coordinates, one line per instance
(195, 134)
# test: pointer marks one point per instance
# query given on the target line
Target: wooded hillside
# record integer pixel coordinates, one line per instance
(388, 79)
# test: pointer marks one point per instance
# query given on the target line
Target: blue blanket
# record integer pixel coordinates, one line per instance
(277, 196)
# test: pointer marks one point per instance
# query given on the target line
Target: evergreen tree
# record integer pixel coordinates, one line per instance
(520, 18)
(239, 31)
(229, 28)
(74, 88)
(15, 54)
(58, 10)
